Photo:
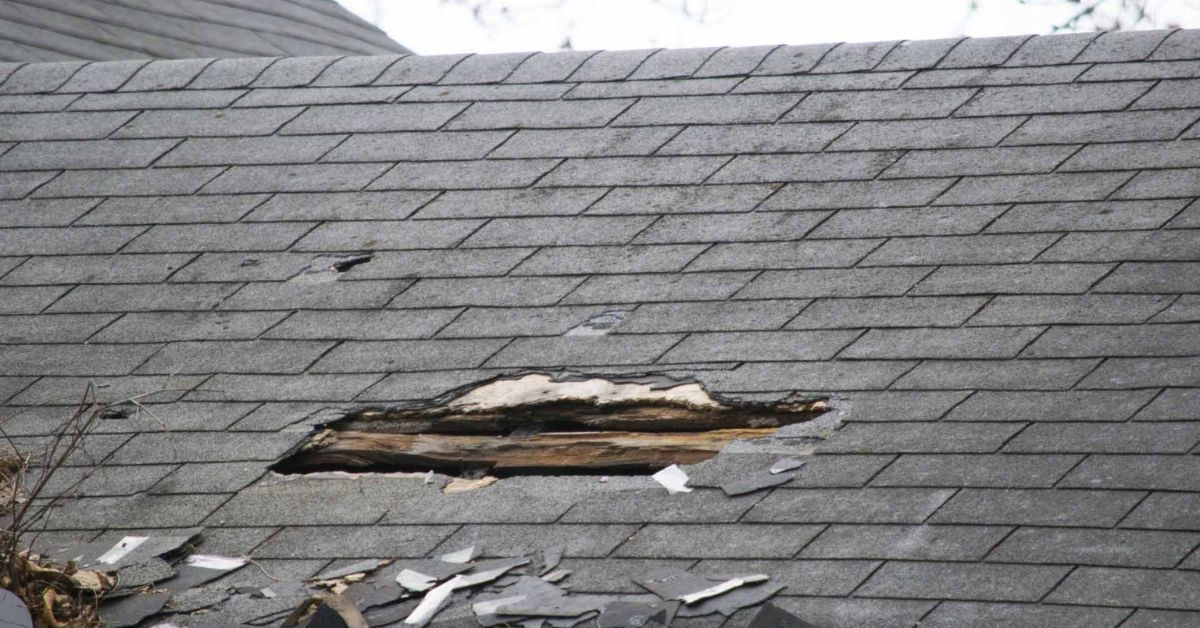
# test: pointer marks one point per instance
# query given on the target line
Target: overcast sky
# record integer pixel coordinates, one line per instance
(448, 26)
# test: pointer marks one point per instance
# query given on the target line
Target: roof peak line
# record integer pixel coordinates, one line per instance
(598, 66)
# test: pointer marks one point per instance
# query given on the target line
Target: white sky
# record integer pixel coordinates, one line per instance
(448, 26)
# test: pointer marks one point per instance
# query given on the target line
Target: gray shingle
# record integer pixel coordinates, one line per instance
(539, 115)
(406, 355)
(584, 142)
(792, 59)
(855, 194)
(1051, 50)
(897, 405)
(1143, 438)
(486, 292)
(931, 221)
(172, 326)
(372, 118)
(1117, 340)
(329, 388)
(974, 342)
(52, 328)
(1130, 587)
(1102, 127)
(1166, 511)
(341, 206)
(15, 185)
(507, 322)
(912, 437)
(734, 61)
(1011, 279)
(578, 540)
(85, 359)
(855, 57)
(1172, 405)
(251, 356)
(349, 71)
(682, 199)
(163, 74)
(494, 203)
(1120, 373)
(1050, 406)
(292, 71)
(142, 298)
(610, 65)
(841, 612)
(84, 154)
(33, 78)
(35, 103)
(677, 63)
(1084, 186)
(149, 210)
(801, 577)
(804, 167)
(915, 55)
(584, 350)
(1085, 508)
(982, 51)
(268, 295)
(1161, 619)
(809, 376)
(250, 150)
(228, 73)
(996, 76)
(1115, 47)
(576, 260)
(1073, 98)
(442, 263)
(730, 109)
(751, 138)
(102, 77)
(718, 541)
(879, 105)
(1162, 183)
(489, 92)
(796, 254)
(576, 230)
(128, 182)
(139, 511)
(383, 235)
(759, 346)
(653, 506)
(977, 249)
(668, 87)
(548, 67)
(484, 68)
(1024, 615)
(907, 542)
(421, 385)
(354, 542)
(633, 171)
(893, 505)
(464, 175)
(362, 325)
(887, 312)
(1179, 244)
(975, 470)
(1177, 154)
(70, 125)
(1009, 159)
(821, 82)
(971, 581)
(207, 123)
(996, 375)
(60, 241)
(220, 237)
(716, 316)
(305, 178)
(419, 69)
(1102, 216)
(1153, 278)
(1169, 473)
(288, 96)
(654, 288)
(849, 282)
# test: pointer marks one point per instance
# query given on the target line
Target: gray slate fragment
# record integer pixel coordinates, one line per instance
(623, 614)
(786, 464)
(551, 556)
(771, 616)
(756, 482)
(13, 612)
(728, 603)
(362, 566)
(141, 574)
(130, 611)
(671, 583)
(197, 599)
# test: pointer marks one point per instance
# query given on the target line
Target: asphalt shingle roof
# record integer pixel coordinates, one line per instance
(986, 250)
(59, 30)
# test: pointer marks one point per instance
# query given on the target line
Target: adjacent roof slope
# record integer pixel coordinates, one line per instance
(57, 30)
(986, 249)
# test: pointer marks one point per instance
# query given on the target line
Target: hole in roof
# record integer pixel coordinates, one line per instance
(545, 424)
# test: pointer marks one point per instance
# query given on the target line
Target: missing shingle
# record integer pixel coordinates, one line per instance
(538, 423)
(325, 268)
(600, 324)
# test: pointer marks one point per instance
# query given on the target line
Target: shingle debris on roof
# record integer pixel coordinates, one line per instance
(984, 250)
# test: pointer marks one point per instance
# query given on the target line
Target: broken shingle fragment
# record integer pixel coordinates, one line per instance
(131, 610)
(673, 479)
(771, 616)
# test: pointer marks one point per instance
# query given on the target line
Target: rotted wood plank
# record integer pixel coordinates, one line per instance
(582, 451)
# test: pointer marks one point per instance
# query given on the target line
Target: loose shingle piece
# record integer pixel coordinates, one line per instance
(981, 254)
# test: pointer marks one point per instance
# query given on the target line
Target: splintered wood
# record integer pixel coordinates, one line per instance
(535, 424)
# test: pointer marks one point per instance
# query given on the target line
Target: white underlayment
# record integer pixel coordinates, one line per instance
(541, 388)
